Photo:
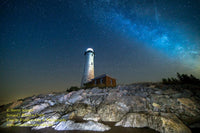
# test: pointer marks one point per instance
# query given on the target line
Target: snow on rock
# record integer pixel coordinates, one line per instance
(90, 125)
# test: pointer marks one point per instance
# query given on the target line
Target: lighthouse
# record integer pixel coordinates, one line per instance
(88, 73)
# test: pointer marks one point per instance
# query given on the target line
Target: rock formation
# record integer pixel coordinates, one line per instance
(162, 108)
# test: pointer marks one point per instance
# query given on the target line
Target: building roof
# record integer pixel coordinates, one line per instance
(101, 76)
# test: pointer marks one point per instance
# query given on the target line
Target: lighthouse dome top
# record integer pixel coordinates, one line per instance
(89, 49)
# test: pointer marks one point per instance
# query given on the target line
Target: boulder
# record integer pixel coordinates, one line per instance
(111, 112)
(93, 100)
(90, 125)
(138, 105)
(75, 98)
(188, 110)
(68, 116)
(56, 108)
(37, 108)
(49, 102)
(48, 121)
(156, 106)
(132, 103)
(164, 122)
(91, 116)
(162, 103)
(96, 90)
(81, 109)
(188, 103)
(42, 121)
(35, 101)
(133, 120)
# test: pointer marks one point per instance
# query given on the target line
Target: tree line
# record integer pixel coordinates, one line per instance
(181, 79)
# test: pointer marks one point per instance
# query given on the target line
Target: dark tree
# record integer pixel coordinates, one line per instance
(182, 79)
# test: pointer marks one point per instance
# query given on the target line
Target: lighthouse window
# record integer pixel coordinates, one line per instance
(91, 63)
(101, 81)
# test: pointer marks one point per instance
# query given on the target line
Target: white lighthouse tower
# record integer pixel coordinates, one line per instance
(89, 66)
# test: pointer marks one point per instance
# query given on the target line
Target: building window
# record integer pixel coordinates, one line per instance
(95, 82)
(111, 81)
(101, 81)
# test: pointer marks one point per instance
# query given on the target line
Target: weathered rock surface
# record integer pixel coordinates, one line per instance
(91, 116)
(90, 125)
(133, 120)
(49, 121)
(163, 108)
(111, 112)
(164, 122)
(81, 109)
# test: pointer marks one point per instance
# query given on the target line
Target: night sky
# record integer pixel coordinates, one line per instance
(42, 42)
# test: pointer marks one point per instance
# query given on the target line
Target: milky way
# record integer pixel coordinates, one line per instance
(135, 21)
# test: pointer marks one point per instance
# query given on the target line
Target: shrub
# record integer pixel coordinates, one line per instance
(73, 88)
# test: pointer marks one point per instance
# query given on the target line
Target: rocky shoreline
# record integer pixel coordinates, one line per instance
(159, 107)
